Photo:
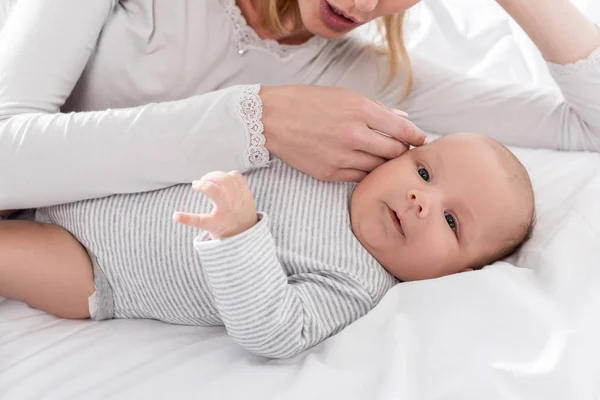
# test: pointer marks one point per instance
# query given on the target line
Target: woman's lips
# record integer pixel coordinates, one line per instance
(396, 221)
(335, 22)
(338, 11)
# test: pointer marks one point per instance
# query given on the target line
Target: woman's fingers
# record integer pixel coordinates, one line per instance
(396, 111)
(364, 161)
(401, 113)
(349, 175)
(380, 145)
(390, 123)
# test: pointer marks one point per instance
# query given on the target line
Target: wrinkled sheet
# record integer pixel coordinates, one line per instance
(526, 330)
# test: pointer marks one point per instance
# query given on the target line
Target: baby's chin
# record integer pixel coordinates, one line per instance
(401, 272)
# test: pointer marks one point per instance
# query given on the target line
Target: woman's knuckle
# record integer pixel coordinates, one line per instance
(357, 109)
(345, 139)
(344, 161)
(364, 108)
(351, 137)
(336, 160)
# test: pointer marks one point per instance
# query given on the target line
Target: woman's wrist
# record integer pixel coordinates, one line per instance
(270, 97)
(562, 33)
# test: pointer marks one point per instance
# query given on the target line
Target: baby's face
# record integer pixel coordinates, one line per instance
(436, 208)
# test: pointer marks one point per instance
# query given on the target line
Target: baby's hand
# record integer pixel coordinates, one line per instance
(234, 210)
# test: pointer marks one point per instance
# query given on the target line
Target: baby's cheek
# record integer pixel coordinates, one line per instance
(437, 255)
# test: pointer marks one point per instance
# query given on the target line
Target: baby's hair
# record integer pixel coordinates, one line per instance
(521, 184)
(522, 235)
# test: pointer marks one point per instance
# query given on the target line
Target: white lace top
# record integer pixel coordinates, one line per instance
(104, 96)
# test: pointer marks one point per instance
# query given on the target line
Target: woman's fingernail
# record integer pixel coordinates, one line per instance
(196, 184)
(400, 112)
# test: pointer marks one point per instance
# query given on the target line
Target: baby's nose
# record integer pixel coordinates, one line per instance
(421, 202)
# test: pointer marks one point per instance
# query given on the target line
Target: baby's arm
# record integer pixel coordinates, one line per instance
(265, 311)
(45, 266)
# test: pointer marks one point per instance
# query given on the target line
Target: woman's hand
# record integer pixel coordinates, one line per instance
(234, 210)
(330, 132)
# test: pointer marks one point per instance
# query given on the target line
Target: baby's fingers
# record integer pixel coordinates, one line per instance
(214, 192)
(198, 221)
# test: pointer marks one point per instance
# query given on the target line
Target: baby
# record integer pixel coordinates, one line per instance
(285, 260)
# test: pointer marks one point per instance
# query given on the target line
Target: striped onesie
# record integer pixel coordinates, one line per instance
(295, 278)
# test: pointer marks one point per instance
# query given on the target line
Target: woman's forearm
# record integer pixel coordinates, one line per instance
(48, 159)
(558, 28)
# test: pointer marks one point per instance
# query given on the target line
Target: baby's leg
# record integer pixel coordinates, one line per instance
(44, 266)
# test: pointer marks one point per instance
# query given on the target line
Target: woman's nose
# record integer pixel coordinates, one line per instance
(365, 6)
(421, 201)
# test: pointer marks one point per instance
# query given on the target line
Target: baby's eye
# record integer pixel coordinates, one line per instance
(424, 174)
(450, 220)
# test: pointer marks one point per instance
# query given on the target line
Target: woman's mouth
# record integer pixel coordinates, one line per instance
(396, 221)
(335, 19)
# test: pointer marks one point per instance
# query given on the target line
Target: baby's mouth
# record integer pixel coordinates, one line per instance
(396, 221)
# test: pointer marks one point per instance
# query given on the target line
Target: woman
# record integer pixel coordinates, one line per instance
(106, 96)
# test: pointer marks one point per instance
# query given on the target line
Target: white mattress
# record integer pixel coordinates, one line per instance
(527, 332)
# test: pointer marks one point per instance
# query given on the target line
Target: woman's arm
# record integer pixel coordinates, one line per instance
(44, 47)
(48, 157)
(559, 29)
(445, 101)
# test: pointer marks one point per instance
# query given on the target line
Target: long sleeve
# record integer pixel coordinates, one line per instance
(48, 157)
(267, 312)
(445, 101)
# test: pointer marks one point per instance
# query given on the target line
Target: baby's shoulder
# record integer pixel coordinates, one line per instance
(369, 274)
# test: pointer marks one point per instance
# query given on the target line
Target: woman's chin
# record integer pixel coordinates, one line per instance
(329, 35)
(318, 28)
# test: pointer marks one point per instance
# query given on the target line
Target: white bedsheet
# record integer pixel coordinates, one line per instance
(501, 333)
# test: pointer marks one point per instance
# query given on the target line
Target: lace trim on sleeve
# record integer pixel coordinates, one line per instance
(250, 111)
(558, 70)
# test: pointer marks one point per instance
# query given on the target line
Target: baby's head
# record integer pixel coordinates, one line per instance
(458, 203)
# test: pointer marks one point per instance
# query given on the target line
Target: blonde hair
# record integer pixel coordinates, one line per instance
(390, 32)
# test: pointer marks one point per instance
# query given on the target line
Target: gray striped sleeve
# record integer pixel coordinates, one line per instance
(267, 312)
